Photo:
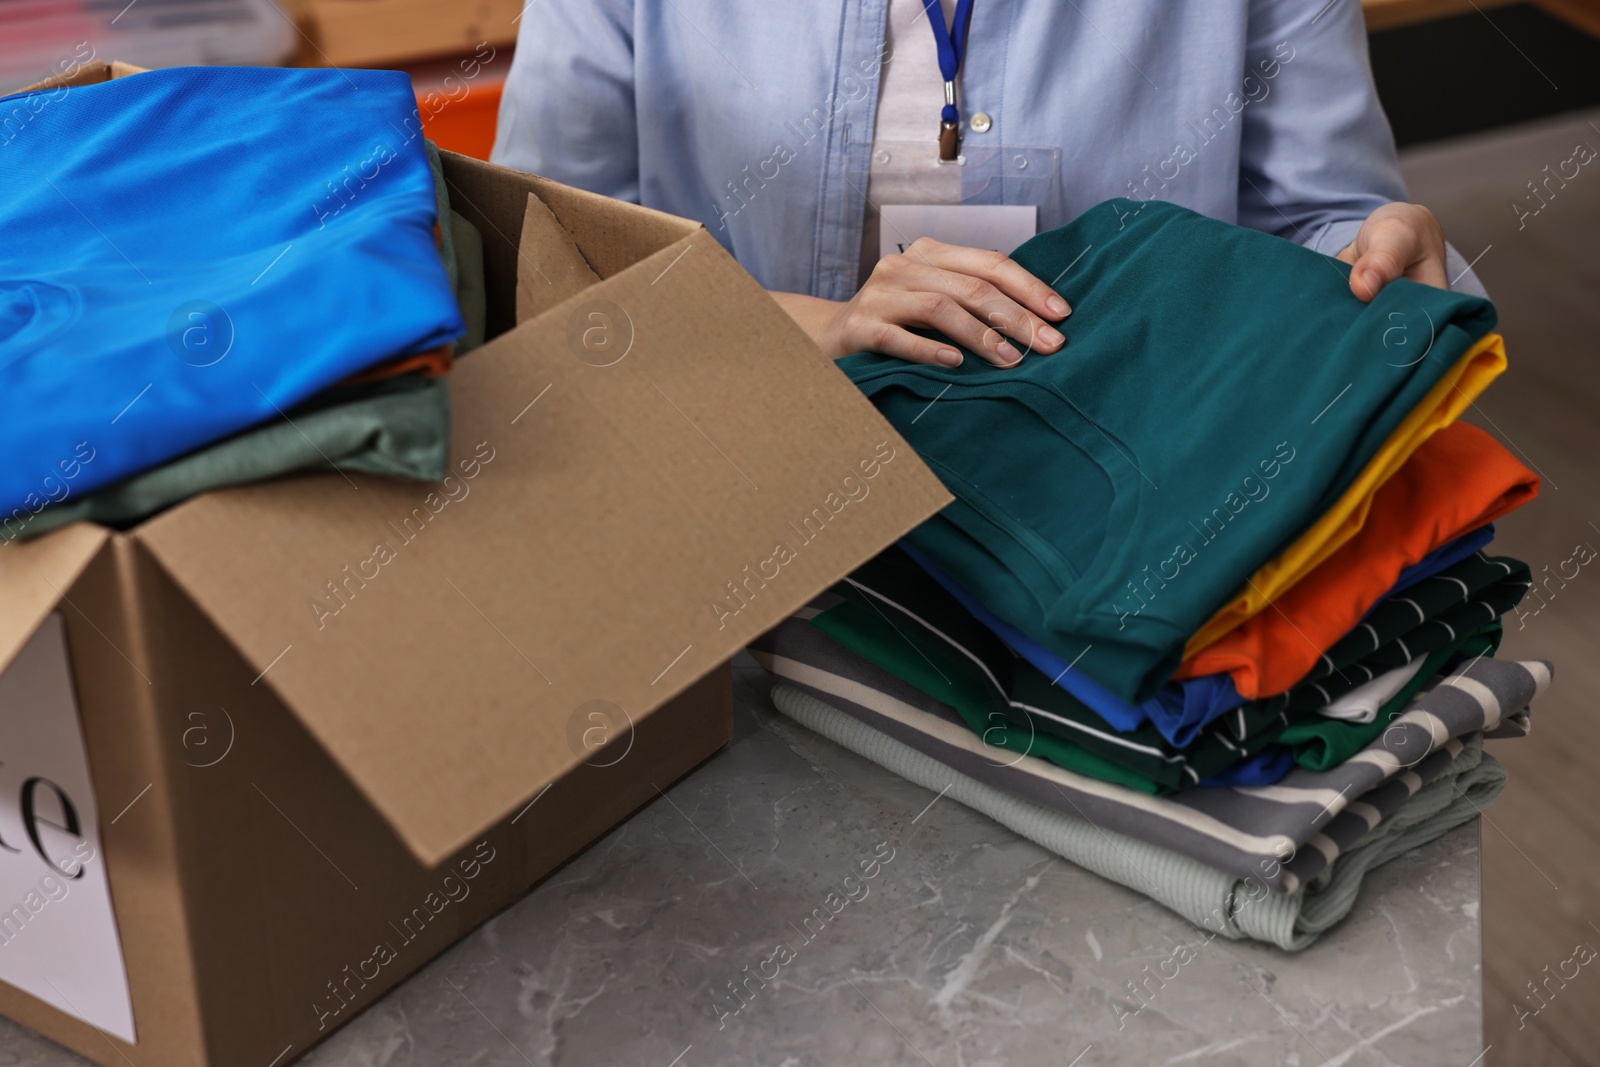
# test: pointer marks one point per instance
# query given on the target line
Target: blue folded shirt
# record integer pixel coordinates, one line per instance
(1178, 710)
(1440, 558)
(1181, 708)
(1267, 767)
(192, 251)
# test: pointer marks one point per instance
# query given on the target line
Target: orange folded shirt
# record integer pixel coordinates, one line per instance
(430, 364)
(1449, 397)
(1457, 480)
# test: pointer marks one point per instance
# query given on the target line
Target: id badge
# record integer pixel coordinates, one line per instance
(991, 196)
(1001, 227)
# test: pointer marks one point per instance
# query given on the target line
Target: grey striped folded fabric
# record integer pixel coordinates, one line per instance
(1281, 835)
(1219, 903)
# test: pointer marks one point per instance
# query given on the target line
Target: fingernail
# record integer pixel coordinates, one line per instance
(1057, 306)
(948, 356)
(1007, 353)
(1050, 336)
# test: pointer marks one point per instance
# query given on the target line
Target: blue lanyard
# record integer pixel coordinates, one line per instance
(952, 46)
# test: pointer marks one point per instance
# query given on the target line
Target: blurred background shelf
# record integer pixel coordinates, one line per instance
(391, 33)
(457, 53)
(1486, 66)
(45, 37)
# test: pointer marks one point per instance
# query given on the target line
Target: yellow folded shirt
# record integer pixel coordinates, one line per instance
(1448, 398)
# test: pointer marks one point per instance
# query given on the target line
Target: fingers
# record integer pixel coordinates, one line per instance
(997, 315)
(1396, 241)
(892, 340)
(977, 298)
(997, 269)
(1383, 260)
(882, 315)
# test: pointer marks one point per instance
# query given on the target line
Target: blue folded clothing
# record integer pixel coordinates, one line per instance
(190, 252)
(1267, 767)
(1180, 709)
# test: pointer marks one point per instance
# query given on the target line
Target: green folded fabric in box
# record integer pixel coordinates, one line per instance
(461, 248)
(399, 427)
(471, 290)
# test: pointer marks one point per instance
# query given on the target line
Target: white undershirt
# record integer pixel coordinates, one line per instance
(910, 96)
(912, 90)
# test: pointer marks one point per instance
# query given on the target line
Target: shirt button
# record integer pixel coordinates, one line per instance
(981, 123)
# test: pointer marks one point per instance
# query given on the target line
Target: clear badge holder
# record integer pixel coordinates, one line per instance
(910, 172)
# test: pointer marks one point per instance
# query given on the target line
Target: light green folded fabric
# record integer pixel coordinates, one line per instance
(1469, 784)
(441, 196)
(398, 427)
(472, 292)
(461, 248)
(1216, 901)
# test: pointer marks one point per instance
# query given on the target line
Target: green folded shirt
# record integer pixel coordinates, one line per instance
(1320, 742)
(461, 248)
(870, 637)
(901, 606)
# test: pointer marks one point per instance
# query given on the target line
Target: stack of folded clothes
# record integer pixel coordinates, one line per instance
(1210, 613)
(219, 275)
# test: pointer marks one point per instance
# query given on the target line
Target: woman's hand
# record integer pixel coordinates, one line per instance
(975, 297)
(1396, 241)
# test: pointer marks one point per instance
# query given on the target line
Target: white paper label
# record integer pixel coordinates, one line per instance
(58, 934)
(1001, 227)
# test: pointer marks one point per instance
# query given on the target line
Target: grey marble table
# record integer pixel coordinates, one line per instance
(971, 947)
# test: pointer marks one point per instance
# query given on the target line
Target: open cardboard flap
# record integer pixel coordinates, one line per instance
(35, 576)
(84, 74)
(617, 526)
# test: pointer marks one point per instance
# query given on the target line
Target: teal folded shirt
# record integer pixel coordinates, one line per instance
(1204, 363)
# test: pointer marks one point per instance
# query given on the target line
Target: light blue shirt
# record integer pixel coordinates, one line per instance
(756, 117)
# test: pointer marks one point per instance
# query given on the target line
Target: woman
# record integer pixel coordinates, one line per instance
(785, 127)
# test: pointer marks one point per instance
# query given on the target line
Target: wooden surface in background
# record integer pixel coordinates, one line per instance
(368, 33)
(1387, 14)
(383, 33)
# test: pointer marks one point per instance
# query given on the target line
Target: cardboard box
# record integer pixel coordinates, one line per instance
(286, 742)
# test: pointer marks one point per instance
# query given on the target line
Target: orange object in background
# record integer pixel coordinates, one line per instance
(465, 124)
(458, 98)
(457, 54)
